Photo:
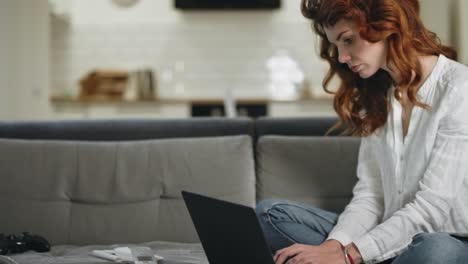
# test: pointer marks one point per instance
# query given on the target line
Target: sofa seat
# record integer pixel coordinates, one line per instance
(65, 254)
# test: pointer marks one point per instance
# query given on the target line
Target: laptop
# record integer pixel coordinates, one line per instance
(230, 233)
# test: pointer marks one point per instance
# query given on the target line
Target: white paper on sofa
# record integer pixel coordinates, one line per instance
(138, 255)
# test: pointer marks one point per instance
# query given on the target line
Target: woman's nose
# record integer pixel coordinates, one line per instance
(343, 56)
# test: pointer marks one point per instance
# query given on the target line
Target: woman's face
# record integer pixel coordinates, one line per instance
(362, 57)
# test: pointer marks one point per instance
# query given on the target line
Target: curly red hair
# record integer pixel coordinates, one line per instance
(362, 104)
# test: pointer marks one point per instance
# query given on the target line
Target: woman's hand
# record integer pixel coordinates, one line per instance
(328, 252)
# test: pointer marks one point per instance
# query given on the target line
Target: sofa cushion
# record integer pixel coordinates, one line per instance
(67, 254)
(320, 171)
(81, 192)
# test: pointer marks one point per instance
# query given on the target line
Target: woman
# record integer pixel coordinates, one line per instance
(404, 94)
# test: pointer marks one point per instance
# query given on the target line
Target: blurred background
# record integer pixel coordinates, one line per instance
(90, 59)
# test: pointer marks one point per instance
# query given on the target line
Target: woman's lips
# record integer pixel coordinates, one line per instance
(355, 68)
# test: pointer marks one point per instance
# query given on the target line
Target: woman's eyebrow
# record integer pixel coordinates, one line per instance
(339, 35)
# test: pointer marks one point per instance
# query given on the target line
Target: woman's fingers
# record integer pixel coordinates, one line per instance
(286, 253)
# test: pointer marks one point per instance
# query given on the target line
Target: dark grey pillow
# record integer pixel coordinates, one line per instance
(320, 171)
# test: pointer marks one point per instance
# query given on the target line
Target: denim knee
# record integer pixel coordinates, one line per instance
(264, 206)
(432, 248)
(432, 242)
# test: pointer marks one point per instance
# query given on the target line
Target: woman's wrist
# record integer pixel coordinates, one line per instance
(354, 253)
(332, 243)
(352, 250)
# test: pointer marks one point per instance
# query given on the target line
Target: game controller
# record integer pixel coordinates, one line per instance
(12, 244)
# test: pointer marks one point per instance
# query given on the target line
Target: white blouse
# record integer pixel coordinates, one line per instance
(414, 184)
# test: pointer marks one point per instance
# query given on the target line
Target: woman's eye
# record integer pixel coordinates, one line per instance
(348, 41)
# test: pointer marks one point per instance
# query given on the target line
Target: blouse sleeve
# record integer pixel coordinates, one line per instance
(365, 210)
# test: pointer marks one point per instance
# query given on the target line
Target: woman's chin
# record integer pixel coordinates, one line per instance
(365, 74)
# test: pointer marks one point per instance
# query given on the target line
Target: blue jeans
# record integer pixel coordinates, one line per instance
(285, 223)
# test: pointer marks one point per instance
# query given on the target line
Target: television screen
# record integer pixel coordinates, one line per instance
(227, 4)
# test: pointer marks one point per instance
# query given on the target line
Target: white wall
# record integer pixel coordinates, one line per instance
(218, 49)
(105, 12)
(24, 84)
(157, 12)
(449, 19)
(204, 52)
(463, 30)
(5, 61)
(213, 50)
(436, 16)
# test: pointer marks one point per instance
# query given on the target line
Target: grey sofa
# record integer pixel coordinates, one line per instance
(99, 184)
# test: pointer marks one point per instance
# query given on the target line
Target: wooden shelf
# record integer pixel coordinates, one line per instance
(87, 101)
(109, 100)
(68, 107)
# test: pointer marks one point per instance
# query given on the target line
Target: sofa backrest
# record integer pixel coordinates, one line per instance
(299, 126)
(121, 129)
(77, 190)
(319, 171)
(297, 162)
(77, 182)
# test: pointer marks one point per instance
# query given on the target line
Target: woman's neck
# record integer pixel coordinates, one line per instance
(427, 65)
